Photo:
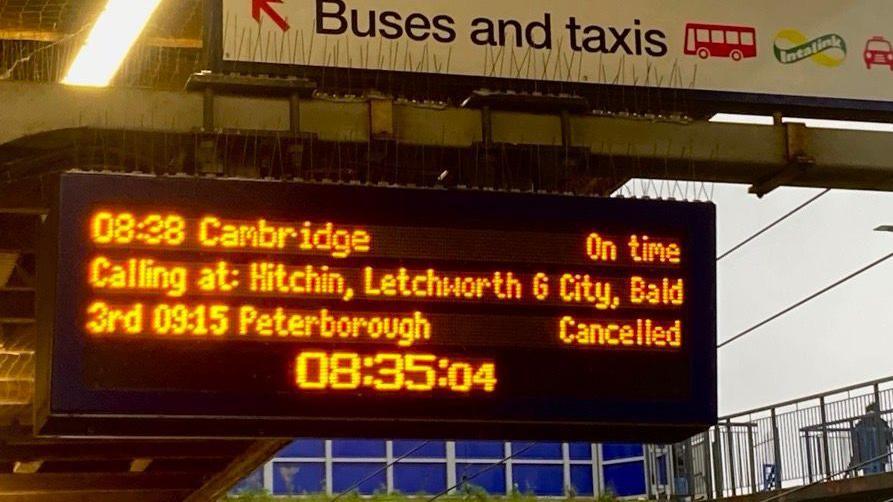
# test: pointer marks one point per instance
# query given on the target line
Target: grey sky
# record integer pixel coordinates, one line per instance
(844, 337)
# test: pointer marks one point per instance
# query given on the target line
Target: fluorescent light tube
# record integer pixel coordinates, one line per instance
(113, 35)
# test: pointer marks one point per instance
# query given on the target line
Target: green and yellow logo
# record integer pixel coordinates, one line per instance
(791, 46)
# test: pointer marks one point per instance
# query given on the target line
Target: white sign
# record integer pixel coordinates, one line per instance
(815, 48)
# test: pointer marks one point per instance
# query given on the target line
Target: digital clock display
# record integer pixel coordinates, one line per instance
(274, 308)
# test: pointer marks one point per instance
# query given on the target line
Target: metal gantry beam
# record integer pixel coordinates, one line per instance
(47, 483)
(37, 449)
(632, 146)
(259, 452)
(56, 37)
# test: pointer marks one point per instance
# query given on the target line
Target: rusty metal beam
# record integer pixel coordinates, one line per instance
(47, 483)
(798, 161)
(99, 496)
(140, 464)
(786, 176)
(55, 37)
(622, 146)
(27, 467)
(259, 452)
(7, 265)
(75, 449)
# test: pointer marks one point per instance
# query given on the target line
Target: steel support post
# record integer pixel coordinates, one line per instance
(708, 468)
(718, 474)
(776, 448)
(753, 459)
(826, 451)
(730, 443)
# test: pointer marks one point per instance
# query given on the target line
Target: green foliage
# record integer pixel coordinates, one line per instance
(470, 493)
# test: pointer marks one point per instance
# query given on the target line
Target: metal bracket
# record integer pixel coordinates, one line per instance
(247, 85)
(796, 158)
(381, 117)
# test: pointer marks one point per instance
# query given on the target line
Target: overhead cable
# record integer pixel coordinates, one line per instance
(768, 227)
(379, 471)
(466, 479)
(806, 300)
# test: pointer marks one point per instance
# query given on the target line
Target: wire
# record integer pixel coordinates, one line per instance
(379, 471)
(768, 227)
(7, 74)
(829, 477)
(806, 300)
(478, 473)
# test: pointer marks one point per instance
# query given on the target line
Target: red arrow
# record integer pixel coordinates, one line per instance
(264, 5)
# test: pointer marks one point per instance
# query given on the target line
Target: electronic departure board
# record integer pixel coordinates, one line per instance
(206, 307)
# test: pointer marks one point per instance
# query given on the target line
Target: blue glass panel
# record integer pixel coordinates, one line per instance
(551, 451)
(538, 479)
(480, 449)
(298, 477)
(253, 483)
(580, 451)
(358, 448)
(420, 478)
(347, 474)
(612, 451)
(304, 448)
(625, 480)
(581, 479)
(433, 449)
(493, 480)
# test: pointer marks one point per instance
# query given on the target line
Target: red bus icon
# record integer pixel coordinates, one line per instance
(720, 41)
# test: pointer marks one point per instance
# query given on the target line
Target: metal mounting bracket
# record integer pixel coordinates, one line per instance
(798, 161)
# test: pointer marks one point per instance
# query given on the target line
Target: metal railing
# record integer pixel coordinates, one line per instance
(788, 444)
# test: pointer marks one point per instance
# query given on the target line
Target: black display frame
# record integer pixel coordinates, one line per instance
(68, 405)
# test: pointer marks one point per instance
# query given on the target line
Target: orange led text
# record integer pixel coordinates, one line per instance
(431, 284)
(582, 288)
(214, 232)
(647, 250)
(392, 372)
(105, 319)
(143, 274)
(663, 292)
(404, 330)
(268, 277)
(600, 249)
(639, 333)
(124, 228)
